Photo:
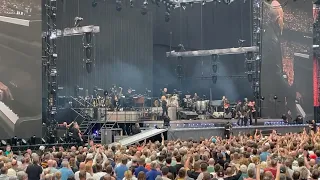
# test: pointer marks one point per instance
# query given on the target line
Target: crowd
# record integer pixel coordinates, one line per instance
(20, 7)
(298, 20)
(288, 49)
(293, 156)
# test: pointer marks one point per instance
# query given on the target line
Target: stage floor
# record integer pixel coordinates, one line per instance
(206, 122)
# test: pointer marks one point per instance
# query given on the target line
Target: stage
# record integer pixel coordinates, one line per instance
(207, 122)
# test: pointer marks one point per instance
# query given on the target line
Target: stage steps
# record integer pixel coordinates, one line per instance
(141, 136)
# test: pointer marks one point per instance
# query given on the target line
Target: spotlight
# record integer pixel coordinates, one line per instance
(118, 5)
(14, 141)
(227, 1)
(262, 98)
(203, 3)
(249, 66)
(88, 37)
(167, 17)
(94, 3)
(77, 21)
(250, 77)
(275, 97)
(33, 140)
(131, 4)
(43, 141)
(214, 79)
(214, 68)
(23, 142)
(249, 55)
(88, 52)
(3, 142)
(105, 93)
(184, 6)
(214, 58)
(240, 42)
(89, 66)
(144, 8)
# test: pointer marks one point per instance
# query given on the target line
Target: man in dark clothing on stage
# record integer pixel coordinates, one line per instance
(227, 130)
(136, 129)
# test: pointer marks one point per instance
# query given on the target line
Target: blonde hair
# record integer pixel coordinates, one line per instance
(128, 175)
(58, 175)
(163, 98)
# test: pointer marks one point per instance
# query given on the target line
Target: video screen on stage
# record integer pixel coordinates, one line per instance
(287, 65)
(20, 69)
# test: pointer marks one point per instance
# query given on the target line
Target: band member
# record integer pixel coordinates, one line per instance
(136, 129)
(227, 130)
(225, 105)
(164, 105)
(239, 112)
(253, 112)
(195, 97)
(164, 92)
(74, 129)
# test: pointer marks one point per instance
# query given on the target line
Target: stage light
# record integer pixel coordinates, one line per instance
(214, 58)
(167, 17)
(14, 141)
(33, 140)
(144, 8)
(77, 21)
(184, 6)
(275, 97)
(23, 142)
(131, 4)
(249, 66)
(262, 98)
(3, 143)
(241, 42)
(249, 55)
(118, 5)
(105, 93)
(249, 77)
(214, 68)
(214, 79)
(88, 52)
(89, 67)
(94, 3)
(203, 3)
(88, 37)
(43, 141)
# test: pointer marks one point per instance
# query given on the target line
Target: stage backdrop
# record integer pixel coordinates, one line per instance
(20, 70)
(209, 26)
(287, 63)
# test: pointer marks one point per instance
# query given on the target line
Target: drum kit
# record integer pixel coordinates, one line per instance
(201, 106)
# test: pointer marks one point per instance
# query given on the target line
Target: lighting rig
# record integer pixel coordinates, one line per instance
(50, 57)
(253, 59)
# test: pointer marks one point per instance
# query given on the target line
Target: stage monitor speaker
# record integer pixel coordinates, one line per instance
(218, 115)
(188, 115)
(106, 136)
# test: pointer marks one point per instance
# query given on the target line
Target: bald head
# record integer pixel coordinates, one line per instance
(82, 166)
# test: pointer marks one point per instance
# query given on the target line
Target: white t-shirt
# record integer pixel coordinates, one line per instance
(76, 175)
(98, 175)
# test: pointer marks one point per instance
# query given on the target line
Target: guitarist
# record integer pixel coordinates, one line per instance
(239, 113)
(225, 105)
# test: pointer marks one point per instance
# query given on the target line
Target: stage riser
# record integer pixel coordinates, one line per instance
(196, 133)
